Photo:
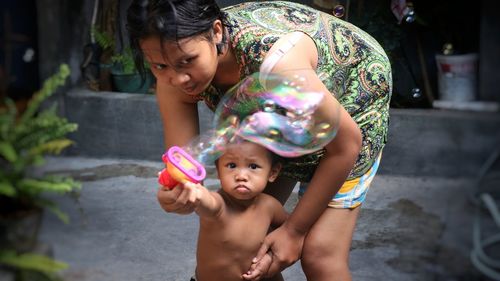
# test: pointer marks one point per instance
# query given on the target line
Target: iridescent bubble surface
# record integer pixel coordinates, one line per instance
(279, 113)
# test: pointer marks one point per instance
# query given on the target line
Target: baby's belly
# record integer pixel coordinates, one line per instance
(223, 266)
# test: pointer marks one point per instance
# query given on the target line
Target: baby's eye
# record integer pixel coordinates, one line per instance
(253, 166)
(231, 165)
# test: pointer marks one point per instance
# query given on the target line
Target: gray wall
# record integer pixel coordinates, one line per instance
(421, 142)
(489, 53)
(63, 30)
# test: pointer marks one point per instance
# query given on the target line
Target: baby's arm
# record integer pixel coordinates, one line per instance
(208, 203)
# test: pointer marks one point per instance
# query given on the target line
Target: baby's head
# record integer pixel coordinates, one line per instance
(245, 168)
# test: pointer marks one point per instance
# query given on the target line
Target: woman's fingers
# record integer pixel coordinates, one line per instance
(264, 248)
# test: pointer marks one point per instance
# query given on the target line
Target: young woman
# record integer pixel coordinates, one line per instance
(197, 52)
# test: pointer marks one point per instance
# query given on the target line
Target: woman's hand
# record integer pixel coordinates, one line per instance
(258, 270)
(182, 199)
(285, 246)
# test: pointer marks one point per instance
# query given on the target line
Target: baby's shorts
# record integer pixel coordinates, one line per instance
(353, 192)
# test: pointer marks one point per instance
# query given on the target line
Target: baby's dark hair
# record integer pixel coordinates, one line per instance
(275, 158)
(171, 20)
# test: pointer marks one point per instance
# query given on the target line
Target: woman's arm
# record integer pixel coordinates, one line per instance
(179, 115)
(340, 156)
(341, 153)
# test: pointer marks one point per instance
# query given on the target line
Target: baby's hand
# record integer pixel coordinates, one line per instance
(258, 270)
(182, 199)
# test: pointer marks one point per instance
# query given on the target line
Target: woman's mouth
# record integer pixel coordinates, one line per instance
(189, 90)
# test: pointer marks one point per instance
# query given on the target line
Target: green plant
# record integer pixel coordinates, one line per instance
(120, 61)
(32, 267)
(24, 141)
(25, 138)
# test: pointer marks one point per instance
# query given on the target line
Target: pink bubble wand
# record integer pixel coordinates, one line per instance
(180, 168)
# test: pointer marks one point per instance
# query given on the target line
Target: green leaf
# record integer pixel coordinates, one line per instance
(52, 147)
(55, 210)
(42, 185)
(31, 261)
(7, 189)
(8, 151)
(49, 87)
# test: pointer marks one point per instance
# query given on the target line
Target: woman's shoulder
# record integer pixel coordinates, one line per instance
(275, 16)
(254, 27)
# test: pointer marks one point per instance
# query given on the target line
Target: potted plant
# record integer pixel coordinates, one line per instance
(124, 74)
(25, 138)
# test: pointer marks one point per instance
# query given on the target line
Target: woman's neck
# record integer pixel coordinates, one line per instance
(228, 70)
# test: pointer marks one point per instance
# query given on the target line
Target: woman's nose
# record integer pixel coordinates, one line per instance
(177, 78)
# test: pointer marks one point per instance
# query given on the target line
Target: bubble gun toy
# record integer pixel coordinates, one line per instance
(180, 168)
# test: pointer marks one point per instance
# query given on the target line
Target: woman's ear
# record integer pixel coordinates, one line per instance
(275, 171)
(218, 30)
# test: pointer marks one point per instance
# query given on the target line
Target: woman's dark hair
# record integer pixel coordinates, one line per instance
(171, 20)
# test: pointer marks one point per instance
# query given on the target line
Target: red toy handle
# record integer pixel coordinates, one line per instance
(166, 180)
(180, 167)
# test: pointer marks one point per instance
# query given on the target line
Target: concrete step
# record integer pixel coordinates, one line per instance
(425, 142)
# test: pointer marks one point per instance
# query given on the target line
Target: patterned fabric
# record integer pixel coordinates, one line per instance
(351, 64)
(353, 192)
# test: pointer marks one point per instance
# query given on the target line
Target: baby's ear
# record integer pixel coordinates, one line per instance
(275, 171)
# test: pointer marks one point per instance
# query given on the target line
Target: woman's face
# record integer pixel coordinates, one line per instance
(188, 65)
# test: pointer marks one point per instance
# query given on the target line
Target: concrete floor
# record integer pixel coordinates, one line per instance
(410, 228)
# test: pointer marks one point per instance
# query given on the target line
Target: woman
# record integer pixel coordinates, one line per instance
(197, 51)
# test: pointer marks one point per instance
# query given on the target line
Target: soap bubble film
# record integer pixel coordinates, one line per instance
(276, 111)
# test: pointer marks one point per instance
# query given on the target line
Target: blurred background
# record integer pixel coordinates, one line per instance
(36, 36)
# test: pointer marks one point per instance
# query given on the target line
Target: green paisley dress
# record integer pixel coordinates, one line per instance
(351, 64)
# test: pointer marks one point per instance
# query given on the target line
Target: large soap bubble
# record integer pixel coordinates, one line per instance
(278, 112)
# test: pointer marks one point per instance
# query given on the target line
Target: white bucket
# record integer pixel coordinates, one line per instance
(457, 77)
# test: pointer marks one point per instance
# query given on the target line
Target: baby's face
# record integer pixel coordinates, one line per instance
(245, 169)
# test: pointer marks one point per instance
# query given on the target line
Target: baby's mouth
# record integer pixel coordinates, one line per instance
(242, 188)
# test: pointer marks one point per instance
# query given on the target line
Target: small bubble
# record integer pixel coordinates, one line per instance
(269, 106)
(338, 11)
(29, 55)
(416, 93)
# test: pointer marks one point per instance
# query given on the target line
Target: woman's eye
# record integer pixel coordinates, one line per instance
(159, 66)
(185, 62)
